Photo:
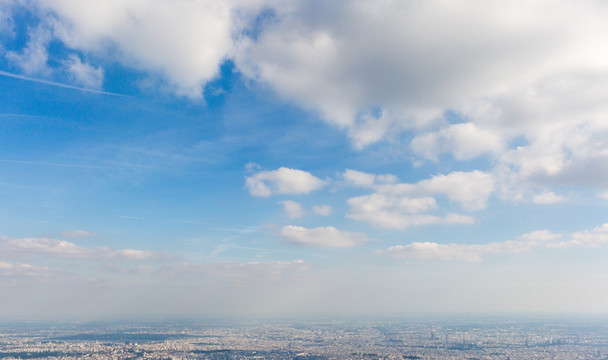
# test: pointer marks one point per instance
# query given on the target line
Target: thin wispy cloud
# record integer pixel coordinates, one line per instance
(40, 246)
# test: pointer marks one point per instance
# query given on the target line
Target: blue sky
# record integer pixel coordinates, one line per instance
(254, 158)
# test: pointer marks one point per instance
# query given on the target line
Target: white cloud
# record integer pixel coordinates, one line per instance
(400, 205)
(540, 115)
(400, 212)
(12, 270)
(358, 178)
(184, 42)
(437, 57)
(69, 250)
(471, 189)
(362, 179)
(6, 19)
(322, 237)
(463, 141)
(282, 181)
(75, 234)
(588, 239)
(84, 74)
(549, 99)
(471, 252)
(322, 210)
(548, 197)
(293, 209)
(594, 238)
(378, 202)
(32, 59)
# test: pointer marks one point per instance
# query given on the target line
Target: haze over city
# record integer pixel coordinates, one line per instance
(246, 159)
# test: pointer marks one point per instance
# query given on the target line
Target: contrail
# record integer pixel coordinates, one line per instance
(53, 83)
(58, 164)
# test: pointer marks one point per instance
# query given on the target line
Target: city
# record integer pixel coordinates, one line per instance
(453, 338)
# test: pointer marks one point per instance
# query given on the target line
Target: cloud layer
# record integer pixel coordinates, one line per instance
(475, 252)
(36, 246)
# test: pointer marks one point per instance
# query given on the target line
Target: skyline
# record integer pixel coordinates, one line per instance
(292, 158)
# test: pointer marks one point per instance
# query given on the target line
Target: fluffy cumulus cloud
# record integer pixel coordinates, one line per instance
(400, 213)
(540, 113)
(438, 56)
(328, 237)
(470, 189)
(400, 205)
(183, 42)
(282, 181)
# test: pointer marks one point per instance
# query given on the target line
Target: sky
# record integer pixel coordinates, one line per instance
(252, 158)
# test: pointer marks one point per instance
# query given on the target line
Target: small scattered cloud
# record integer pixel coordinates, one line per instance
(358, 178)
(282, 181)
(322, 210)
(251, 167)
(362, 179)
(84, 74)
(293, 209)
(328, 237)
(33, 58)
